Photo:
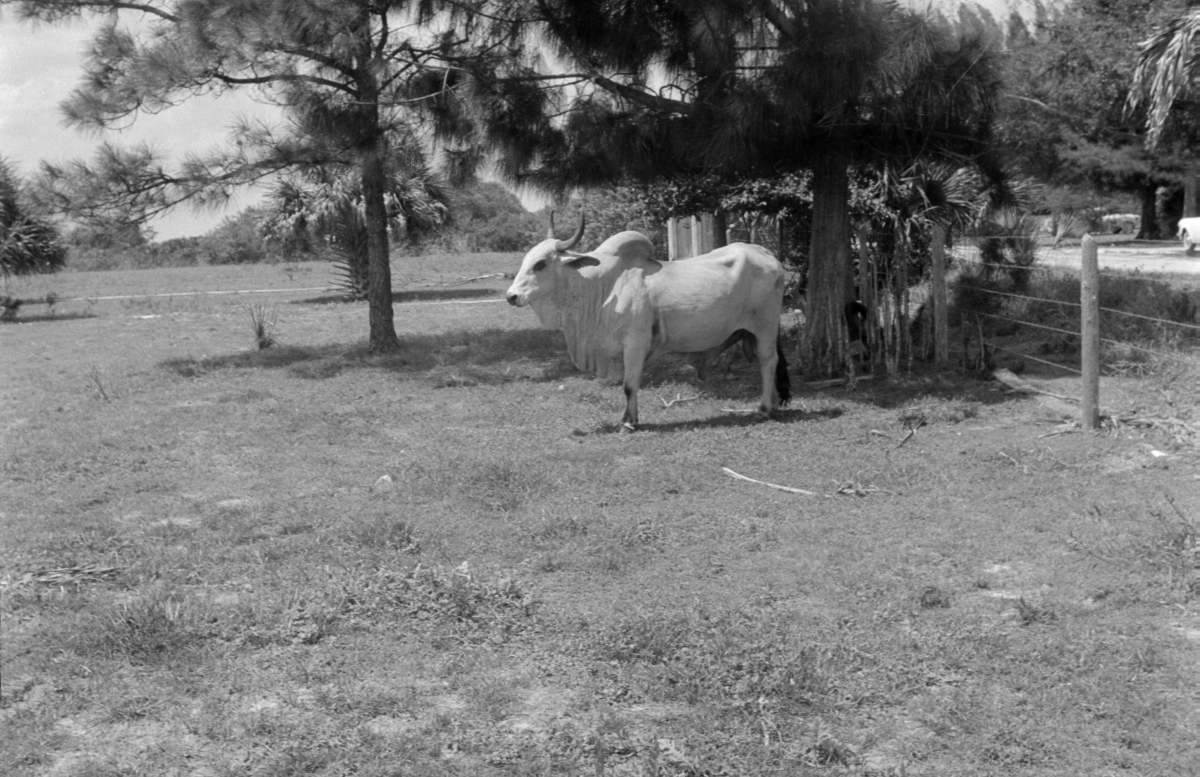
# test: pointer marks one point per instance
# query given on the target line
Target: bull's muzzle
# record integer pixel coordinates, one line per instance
(514, 300)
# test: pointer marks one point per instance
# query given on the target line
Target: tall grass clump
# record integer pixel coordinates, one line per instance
(157, 625)
(502, 487)
(262, 323)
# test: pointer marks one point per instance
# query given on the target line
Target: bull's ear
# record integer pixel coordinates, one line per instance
(578, 262)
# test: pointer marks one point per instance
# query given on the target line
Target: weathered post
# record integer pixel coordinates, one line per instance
(698, 235)
(941, 333)
(1089, 299)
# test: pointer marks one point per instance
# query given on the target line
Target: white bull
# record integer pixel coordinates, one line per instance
(617, 304)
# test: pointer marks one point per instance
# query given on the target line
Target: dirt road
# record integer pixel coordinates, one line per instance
(1159, 257)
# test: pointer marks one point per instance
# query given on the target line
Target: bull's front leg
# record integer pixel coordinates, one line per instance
(634, 358)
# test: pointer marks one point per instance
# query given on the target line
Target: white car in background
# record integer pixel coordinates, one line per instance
(1189, 232)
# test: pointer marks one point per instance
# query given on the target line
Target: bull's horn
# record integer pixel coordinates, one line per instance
(550, 235)
(567, 245)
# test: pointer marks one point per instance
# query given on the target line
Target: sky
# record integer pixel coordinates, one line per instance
(40, 64)
(39, 67)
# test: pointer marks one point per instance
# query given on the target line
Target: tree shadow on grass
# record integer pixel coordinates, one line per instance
(41, 318)
(416, 295)
(463, 358)
(922, 383)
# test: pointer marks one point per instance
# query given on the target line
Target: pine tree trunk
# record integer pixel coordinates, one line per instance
(379, 272)
(374, 184)
(830, 283)
(1191, 192)
(1149, 226)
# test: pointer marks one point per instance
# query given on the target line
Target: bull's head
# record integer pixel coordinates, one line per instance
(540, 265)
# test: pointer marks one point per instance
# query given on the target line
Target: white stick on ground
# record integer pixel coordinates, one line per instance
(776, 486)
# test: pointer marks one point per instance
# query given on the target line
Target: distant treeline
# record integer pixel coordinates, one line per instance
(485, 217)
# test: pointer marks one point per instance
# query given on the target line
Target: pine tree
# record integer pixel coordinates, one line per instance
(341, 70)
(652, 90)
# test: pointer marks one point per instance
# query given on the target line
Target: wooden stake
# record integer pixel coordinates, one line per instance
(1089, 299)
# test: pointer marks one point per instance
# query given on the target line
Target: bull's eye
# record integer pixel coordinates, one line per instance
(539, 265)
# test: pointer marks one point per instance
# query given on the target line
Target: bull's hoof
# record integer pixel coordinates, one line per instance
(627, 428)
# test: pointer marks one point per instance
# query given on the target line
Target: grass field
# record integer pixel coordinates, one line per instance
(220, 560)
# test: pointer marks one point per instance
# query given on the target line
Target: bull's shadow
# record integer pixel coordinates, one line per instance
(725, 419)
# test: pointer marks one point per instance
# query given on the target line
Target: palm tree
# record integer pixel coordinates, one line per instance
(1168, 63)
(28, 245)
(326, 201)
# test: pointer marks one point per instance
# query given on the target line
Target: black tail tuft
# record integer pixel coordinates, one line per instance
(783, 384)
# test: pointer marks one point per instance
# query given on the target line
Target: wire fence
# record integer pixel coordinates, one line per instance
(1135, 322)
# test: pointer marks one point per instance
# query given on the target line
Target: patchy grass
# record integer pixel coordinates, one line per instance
(307, 559)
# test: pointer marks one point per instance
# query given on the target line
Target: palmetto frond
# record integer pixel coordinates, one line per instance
(27, 244)
(1168, 63)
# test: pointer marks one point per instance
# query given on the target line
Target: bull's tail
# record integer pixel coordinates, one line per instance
(783, 384)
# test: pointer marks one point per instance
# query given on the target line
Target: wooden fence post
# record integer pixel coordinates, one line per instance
(697, 236)
(1089, 299)
(941, 333)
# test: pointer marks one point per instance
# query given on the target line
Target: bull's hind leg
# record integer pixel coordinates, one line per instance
(768, 360)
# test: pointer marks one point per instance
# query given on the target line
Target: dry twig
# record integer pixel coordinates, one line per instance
(69, 575)
(853, 488)
(679, 398)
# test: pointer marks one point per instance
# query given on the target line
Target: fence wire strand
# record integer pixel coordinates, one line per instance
(1022, 296)
(1114, 311)
(1030, 323)
(1036, 359)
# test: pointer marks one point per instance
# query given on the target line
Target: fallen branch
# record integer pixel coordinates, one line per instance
(679, 398)
(775, 486)
(738, 411)
(913, 423)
